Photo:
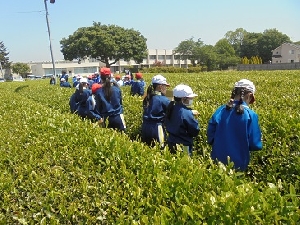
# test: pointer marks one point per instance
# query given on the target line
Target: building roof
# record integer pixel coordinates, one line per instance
(290, 44)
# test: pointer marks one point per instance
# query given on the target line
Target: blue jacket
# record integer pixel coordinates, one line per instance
(97, 79)
(182, 126)
(91, 82)
(109, 108)
(153, 117)
(73, 102)
(234, 135)
(127, 83)
(87, 106)
(65, 84)
(137, 88)
(75, 83)
(156, 110)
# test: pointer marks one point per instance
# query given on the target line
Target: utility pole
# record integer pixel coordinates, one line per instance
(52, 58)
(1, 69)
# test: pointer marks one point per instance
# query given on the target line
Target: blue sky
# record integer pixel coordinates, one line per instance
(165, 23)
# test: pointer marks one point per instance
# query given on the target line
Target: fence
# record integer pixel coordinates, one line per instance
(275, 66)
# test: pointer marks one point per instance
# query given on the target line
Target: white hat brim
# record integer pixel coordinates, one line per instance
(191, 96)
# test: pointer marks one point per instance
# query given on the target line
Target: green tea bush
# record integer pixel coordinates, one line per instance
(164, 69)
(172, 69)
(59, 169)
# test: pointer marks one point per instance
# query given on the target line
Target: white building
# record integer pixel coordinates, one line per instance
(162, 56)
(286, 53)
(84, 68)
(89, 66)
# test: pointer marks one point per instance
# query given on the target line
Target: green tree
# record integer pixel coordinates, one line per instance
(245, 60)
(225, 54)
(20, 68)
(297, 43)
(236, 38)
(105, 43)
(4, 59)
(270, 39)
(208, 57)
(189, 49)
(250, 45)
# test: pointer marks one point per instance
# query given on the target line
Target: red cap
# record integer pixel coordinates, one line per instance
(118, 77)
(95, 87)
(138, 75)
(104, 71)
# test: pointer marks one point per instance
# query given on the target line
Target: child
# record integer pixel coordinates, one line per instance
(77, 81)
(127, 80)
(90, 81)
(109, 102)
(180, 122)
(64, 83)
(73, 102)
(155, 106)
(119, 81)
(86, 103)
(53, 80)
(137, 87)
(233, 131)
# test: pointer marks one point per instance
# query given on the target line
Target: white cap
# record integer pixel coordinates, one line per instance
(246, 84)
(83, 80)
(62, 79)
(159, 79)
(79, 76)
(183, 91)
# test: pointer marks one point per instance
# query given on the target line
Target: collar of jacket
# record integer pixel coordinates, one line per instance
(236, 102)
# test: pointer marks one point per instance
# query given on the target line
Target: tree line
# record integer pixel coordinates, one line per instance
(111, 43)
(239, 46)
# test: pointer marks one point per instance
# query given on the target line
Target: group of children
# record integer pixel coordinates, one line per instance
(233, 130)
(102, 102)
(137, 86)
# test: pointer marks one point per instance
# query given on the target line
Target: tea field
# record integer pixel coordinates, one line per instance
(57, 169)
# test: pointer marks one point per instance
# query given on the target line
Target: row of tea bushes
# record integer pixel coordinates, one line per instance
(58, 169)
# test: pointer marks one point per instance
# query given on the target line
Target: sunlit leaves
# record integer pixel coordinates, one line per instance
(105, 42)
(58, 169)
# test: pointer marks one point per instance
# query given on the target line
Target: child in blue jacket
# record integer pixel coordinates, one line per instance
(155, 106)
(127, 80)
(233, 130)
(73, 102)
(65, 83)
(109, 102)
(86, 102)
(181, 124)
(137, 87)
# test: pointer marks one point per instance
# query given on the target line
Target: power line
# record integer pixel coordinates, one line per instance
(32, 11)
(12, 14)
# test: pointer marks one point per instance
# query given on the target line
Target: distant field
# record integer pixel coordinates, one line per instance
(58, 169)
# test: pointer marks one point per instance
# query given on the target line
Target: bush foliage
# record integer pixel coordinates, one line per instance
(58, 169)
(172, 69)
